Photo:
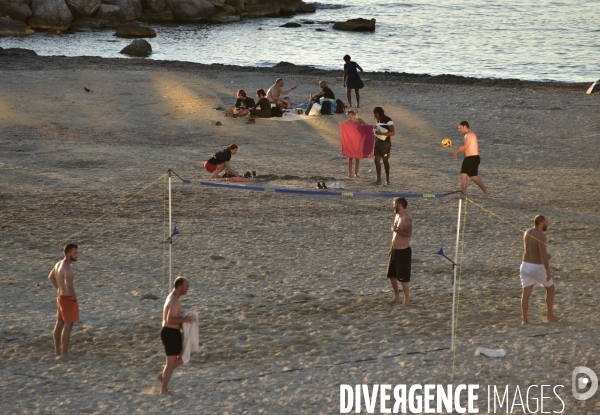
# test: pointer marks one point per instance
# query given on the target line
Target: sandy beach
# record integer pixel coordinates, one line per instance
(291, 290)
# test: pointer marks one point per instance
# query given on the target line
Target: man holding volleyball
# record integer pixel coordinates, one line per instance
(471, 161)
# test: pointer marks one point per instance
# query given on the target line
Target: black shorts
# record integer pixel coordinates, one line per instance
(470, 165)
(382, 148)
(399, 265)
(171, 338)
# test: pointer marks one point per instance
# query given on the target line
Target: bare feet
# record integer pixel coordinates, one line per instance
(166, 392)
(378, 183)
(387, 183)
(394, 300)
(357, 176)
(524, 322)
(553, 319)
(486, 195)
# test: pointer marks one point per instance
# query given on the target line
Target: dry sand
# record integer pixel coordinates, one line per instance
(291, 290)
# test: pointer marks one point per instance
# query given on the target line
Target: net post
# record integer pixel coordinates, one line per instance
(169, 237)
(455, 270)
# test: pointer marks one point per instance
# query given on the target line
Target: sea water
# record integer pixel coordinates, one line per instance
(525, 39)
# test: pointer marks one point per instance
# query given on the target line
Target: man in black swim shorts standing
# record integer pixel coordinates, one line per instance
(470, 164)
(400, 251)
(170, 333)
(384, 130)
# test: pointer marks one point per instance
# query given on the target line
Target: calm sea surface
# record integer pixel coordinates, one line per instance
(532, 40)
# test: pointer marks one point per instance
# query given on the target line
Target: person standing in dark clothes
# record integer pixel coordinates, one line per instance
(352, 80)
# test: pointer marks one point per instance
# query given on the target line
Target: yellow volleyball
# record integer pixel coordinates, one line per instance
(446, 142)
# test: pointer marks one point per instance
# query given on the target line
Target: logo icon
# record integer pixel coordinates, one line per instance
(582, 382)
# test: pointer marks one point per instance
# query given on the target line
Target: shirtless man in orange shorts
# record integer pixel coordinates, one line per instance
(61, 278)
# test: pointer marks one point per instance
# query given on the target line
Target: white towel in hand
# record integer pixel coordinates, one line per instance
(191, 337)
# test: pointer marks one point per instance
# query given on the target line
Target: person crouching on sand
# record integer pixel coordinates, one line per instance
(354, 121)
(220, 161)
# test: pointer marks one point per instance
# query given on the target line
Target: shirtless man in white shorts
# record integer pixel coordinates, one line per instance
(535, 269)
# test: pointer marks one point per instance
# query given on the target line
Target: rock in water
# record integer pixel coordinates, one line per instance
(17, 52)
(50, 14)
(83, 8)
(10, 27)
(15, 9)
(138, 47)
(356, 25)
(134, 29)
(291, 24)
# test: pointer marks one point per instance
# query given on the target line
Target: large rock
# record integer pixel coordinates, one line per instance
(356, 25)
(262, 8)
(138, 10)
(138, 47)
(238, 5)
(83, 8)
(118, 10)
(192, 10)
(10, 27)
(158, 6)
(15, 9)
(306, 7)
(289, 7)
(50, 14)
(133, 30)
(94, 23)
(161, 17)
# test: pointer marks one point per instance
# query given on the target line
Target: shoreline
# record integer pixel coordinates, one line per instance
(19, 59)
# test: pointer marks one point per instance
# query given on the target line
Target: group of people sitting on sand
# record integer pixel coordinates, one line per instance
(268, 103)
(262, 107)
(276, 100)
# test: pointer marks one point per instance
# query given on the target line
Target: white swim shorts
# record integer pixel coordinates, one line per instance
(534, 274)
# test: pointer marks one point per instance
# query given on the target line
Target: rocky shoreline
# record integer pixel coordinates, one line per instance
(23, 17)
(24, 59)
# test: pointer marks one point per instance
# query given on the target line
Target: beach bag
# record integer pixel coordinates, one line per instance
(315, 109)
(326, 108)
(276, 112)
(340, 107)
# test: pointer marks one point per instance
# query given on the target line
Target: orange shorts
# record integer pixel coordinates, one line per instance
(68, 309)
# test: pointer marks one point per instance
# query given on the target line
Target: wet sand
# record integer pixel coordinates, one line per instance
(291, 290)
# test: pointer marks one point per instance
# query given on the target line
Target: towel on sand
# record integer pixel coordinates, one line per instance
(357, 141)
(191, 337)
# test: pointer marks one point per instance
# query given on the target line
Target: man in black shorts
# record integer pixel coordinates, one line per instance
(383, 143)
(470, 164)
(400, 251)
(170, 333)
